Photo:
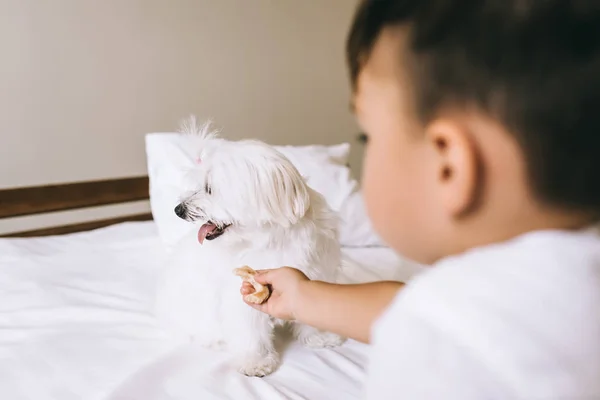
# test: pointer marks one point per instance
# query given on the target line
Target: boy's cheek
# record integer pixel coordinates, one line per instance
(397, 201)
(380, 185)
(390, 217)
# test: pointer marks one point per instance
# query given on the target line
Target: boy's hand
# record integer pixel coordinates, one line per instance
(348, 310)
(285, 284)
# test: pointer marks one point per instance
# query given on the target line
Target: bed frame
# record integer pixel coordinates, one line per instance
(34, 200)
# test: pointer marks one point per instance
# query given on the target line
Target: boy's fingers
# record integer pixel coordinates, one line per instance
(247, 288)
(260, 307)
(264, 277)
(244, 290)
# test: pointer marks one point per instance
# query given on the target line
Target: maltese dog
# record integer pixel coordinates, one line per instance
(252, 207)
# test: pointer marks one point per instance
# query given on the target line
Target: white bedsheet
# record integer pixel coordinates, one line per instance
(76, 323)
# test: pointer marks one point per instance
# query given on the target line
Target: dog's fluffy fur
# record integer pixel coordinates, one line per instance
(252, 207)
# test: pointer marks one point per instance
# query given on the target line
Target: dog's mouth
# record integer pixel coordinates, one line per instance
(211, 231)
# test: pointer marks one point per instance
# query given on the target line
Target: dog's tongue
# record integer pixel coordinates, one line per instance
(205, 230)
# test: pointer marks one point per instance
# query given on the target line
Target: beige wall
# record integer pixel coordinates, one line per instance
(81, 81)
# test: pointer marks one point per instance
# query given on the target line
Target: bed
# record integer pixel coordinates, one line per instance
(76, 316)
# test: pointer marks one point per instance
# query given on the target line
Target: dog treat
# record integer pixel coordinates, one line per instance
(261, 293)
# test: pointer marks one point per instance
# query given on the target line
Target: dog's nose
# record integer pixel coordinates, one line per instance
(180, 211)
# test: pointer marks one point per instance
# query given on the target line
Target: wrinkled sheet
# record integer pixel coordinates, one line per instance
(76, 323)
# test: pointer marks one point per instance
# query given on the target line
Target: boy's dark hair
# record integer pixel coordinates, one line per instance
(534, 65)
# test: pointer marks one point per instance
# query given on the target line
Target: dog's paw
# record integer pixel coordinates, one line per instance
(320, 340)
(259, 366)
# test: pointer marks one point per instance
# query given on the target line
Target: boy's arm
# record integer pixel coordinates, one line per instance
(348, 310)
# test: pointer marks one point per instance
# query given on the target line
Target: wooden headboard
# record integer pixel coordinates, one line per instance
(71, 196)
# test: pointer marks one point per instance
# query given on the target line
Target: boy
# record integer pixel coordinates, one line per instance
(483, 120)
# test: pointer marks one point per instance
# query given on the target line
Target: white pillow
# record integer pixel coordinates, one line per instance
(355, 226)
(324, 167)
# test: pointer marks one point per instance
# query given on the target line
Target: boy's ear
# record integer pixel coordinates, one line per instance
(457, 166)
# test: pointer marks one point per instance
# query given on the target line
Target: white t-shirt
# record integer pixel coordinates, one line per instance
(516, 320)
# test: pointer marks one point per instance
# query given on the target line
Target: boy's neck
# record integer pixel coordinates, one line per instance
(503, 227)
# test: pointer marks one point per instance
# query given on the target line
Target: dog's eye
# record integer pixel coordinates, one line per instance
(207, 189)
(363, 138)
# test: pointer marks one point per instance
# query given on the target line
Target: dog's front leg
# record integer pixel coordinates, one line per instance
(249, 335)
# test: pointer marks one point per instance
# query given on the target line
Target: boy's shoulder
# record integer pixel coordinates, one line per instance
(523, 311)
(540, 256)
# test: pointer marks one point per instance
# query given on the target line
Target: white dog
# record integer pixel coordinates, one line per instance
(252, 208)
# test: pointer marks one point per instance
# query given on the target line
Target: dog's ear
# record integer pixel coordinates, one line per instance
(282, 191)
(202, 131)
(201, 135)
